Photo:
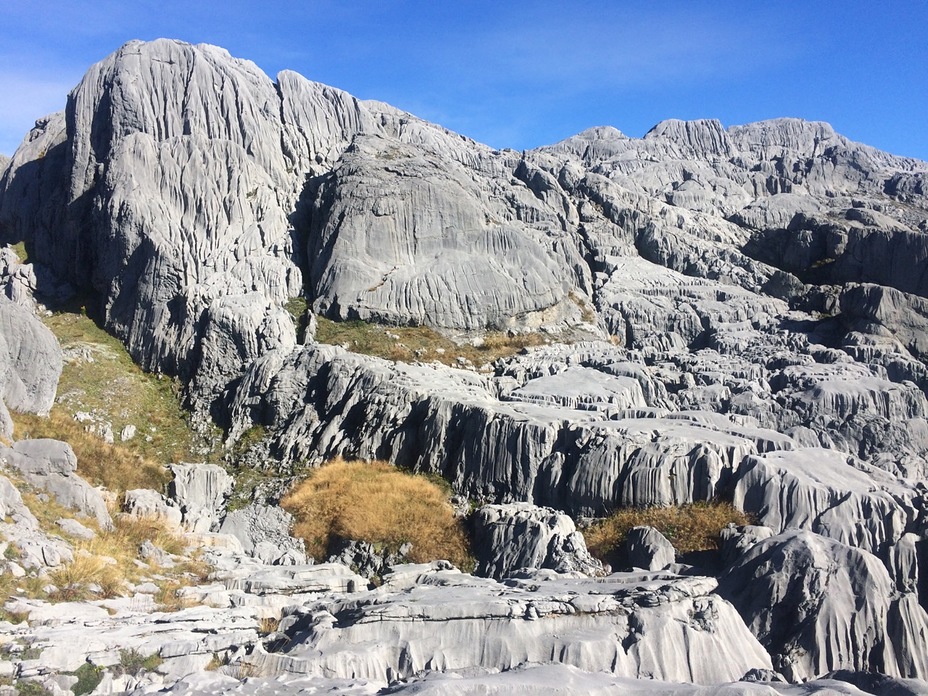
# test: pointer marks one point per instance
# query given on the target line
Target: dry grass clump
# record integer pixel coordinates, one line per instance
(409, 343)
(130, 531)
(104, 564)
(377, 503)
(116, 467)
(75, 580)
(689, 528)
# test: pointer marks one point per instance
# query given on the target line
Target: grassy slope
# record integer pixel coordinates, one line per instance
(100, 379)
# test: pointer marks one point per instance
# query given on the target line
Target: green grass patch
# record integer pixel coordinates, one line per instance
(297, 307)
(100, 378)
(88, 678)
(410, 343)
(20, 250)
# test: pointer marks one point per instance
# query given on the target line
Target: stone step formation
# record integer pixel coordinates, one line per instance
(731, 313)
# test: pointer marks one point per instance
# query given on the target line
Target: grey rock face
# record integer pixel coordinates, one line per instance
(449, 621)
(508, 538)
(820, 490)
(30, 360)
(405, 237)
(366, 560)
(818, 605)
(6, 421)
(200, 490)
(734, 541)
(264, 531)
(761, 287)
(51, 466)
(450, 421)
(21, 528)
(648, 549)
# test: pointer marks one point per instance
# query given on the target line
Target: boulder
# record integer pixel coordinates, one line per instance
(21, 528)
(735, 540)
(200, 491)
(264, 531)
(520, 536)
(818, 605)
(647, 548)
(51, 466)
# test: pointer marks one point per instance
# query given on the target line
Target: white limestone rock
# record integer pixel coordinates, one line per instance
(30, 360)
(582, 388)
(827, 493)
(19, 526)
(6, 421)
(518, 536)
(264, 531)
(735, 540)
(400, 237)
(446, 621)
(818, 606)
(51, 465)
(448, 421)
(648, 549)
(200, 491)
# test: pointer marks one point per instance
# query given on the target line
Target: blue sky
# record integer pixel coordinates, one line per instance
(522, 74)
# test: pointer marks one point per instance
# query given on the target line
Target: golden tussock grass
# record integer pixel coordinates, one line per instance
(689, 528)
(75, 579)
(377, 503)
(131, 531)
(109, 559)
(116, 467)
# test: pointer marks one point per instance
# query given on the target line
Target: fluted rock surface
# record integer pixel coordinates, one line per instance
(30, 360)
(51, 466)
(818, 605)
(509, 538)
(444, 620)
(824, 492)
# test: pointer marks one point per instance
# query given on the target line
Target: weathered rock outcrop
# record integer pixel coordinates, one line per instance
(264, 531)
(20, 528)
(508, 538)
(818, 605)
(761, 287)
(50, 465)
(30, 360)
(200, 491)
(444, 620)
(822, 491)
